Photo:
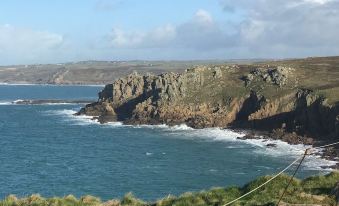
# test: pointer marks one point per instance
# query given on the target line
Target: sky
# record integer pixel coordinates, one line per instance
(40, 31)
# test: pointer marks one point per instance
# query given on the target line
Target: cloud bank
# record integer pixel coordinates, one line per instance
(19, 45)
(201, 32)
(269, 29)
(262, 29)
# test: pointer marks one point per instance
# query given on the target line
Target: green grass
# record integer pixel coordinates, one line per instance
(332, 94)
(313, 190)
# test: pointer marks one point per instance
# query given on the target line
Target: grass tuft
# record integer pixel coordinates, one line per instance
(313, 190)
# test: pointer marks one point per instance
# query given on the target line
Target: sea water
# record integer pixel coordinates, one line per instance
(45, 149)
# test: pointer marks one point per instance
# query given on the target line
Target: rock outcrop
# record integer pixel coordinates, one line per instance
(265, 99)
(278, 76)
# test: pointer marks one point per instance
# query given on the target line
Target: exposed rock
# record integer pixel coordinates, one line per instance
(217, 73)
(331, 153)
(249, 136)
(277, 76)
(291, 138)
(203, 97)
(111, 203)
(271, 145)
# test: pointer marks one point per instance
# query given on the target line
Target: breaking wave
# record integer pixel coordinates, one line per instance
(258, 146)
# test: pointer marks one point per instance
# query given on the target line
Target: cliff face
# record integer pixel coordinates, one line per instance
(264, 98)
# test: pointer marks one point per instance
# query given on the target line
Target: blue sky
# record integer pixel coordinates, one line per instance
(40, 31)
(77, 15)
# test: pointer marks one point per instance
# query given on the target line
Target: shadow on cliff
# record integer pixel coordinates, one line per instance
(250, 105)
(314, 120)
(125, 111)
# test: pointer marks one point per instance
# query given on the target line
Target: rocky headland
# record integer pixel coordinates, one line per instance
(294, 101)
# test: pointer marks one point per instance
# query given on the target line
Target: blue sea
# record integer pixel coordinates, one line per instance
(45, 149)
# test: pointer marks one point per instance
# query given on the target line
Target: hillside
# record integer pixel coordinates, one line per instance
(87, 72)
(317, 190)
(297, 100)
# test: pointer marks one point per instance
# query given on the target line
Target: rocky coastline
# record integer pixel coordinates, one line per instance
(271, 101)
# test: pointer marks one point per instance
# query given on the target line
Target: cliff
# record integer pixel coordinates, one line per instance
(298, 97)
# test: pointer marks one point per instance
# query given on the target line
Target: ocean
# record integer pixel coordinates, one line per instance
(46, 150)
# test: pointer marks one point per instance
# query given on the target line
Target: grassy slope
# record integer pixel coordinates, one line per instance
(318, 74)
(313, 190)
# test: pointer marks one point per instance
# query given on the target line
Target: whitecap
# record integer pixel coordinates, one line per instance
(61, 103)
(115, 124)
(17, 101)
(259, 146)
(157, 126)
(181, 127)
(16, 84)
(66, 112)
(68, 115)
(282, 149)
(6, 103)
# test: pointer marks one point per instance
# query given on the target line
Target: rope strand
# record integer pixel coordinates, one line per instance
(260, 186)
(307, 152)
(295, 172)
(327, 145)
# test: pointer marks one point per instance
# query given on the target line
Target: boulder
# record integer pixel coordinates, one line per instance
(271, 145)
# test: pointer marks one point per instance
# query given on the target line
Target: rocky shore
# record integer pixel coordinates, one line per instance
(278, 100)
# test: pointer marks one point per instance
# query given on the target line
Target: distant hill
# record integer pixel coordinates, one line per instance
(92, 72)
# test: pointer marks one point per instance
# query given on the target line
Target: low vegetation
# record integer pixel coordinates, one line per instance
(318, 190)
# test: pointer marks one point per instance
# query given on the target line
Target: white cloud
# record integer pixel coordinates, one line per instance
(317, 1)
(277, 29)
(288, 28)
(203, 17)
(200, 32)
(26, 45)
(159, 37)
(265, 28)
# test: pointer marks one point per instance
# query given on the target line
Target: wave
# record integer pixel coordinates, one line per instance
(71, 118)
(16, 84)
(40, 102)
(259, 146)
(6, 103)
(61, 103)
(17, 101)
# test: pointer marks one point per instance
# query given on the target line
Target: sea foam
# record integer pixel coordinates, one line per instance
(259, 146)
(68, 116)
(6, 103)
